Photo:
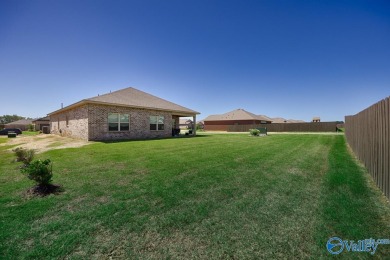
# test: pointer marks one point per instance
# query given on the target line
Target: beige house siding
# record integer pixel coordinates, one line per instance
(139, 123)
(71, 123)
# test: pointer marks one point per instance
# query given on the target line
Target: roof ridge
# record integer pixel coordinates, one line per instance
(114, 92)
(133, 97)
(111, 93)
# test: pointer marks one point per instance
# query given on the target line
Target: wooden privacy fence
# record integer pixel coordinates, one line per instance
(368, 135)
(288, 127)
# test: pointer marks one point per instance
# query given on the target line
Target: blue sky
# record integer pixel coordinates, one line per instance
(293, 59)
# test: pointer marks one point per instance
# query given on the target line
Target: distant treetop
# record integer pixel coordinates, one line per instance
(5, 119)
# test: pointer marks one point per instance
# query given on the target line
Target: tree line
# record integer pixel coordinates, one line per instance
(5, 119)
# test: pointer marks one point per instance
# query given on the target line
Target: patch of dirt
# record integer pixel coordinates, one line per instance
(44, 142)
(44, 190)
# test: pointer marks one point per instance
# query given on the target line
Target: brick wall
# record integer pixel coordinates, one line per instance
(21, 127)
(139, 123)
(90, 122)
(72, 123)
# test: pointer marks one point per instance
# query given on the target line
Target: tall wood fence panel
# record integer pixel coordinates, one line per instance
(288, 127)
(368, 135)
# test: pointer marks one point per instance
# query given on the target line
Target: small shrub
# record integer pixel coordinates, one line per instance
(39, 171)
(24, 155)
(254, 132)
(31, 127)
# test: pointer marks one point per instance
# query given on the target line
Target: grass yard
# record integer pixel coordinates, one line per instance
(209, 197)
(30, 133)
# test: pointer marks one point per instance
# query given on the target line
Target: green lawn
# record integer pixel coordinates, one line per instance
(30, 132)
(209, 197)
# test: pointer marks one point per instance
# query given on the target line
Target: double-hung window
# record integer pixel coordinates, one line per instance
(118, 122)
(156, 123)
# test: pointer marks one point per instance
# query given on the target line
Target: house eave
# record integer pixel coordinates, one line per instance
(82, 102)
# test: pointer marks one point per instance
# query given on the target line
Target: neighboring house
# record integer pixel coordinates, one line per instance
(124, 114)
(295, 121)
(235, 117)
(41, 123)
(283, 120)
(22, 124)
(185, 123)
(278, 120)
(316, 119)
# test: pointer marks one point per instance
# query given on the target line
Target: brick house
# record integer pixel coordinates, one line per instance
(235, 117)
(22, 124)
(41, 123)
(124, 114)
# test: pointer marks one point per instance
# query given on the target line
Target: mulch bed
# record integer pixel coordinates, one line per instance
(44, 190)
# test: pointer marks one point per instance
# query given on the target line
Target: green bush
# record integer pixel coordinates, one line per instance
(39, 171)
(24, 155)
(254, 132)
(31, 128)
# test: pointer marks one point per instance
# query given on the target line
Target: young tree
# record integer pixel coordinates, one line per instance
(40, 171)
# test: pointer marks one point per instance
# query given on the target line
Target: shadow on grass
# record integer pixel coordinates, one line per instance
(44, 190)
(350, 205)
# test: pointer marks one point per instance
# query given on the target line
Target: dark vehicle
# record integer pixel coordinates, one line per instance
(6, 130)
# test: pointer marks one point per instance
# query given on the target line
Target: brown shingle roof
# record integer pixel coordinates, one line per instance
(238, 114)
(20, 122)
(283, 120)
(279, 120)
(131, 97)
(264, 118)
(46, 118)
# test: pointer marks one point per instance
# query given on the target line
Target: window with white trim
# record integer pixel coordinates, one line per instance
(156, 123)
(118, 122)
